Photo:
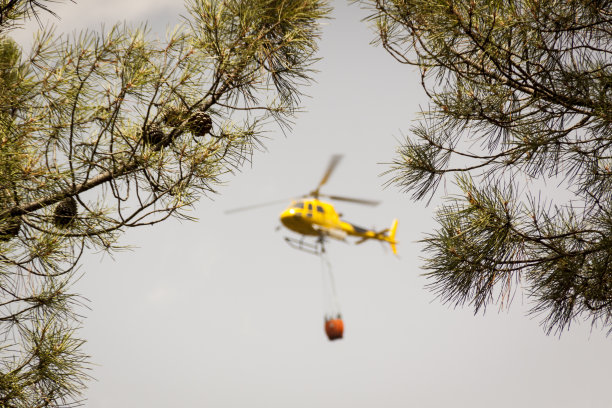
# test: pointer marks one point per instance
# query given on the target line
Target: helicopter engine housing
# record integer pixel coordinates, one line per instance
(335, 233)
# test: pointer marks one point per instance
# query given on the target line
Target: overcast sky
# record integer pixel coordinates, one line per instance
(222, 313)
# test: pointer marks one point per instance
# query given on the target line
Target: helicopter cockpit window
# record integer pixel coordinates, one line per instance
(310, 206)
(320, 209)
(299, 205)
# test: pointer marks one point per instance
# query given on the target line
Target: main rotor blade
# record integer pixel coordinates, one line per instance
(352, 200)
(254, 206)
(330, 168)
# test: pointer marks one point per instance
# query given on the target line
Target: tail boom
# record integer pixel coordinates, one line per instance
(387, 235)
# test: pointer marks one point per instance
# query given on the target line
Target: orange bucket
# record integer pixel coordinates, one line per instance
(334, 328)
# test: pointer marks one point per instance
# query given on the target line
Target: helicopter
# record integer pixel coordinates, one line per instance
(311, 217)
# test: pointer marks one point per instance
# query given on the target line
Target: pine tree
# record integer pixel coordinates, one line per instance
(85, 153)
(521, 101)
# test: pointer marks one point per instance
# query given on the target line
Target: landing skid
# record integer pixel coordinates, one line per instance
(316, 248)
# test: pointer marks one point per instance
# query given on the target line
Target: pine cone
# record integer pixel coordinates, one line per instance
(199, 123)
(9, 228)
(174, 117)
(154, 135)
(65, 212)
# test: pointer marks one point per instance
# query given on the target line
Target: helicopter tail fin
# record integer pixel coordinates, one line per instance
(391, 236)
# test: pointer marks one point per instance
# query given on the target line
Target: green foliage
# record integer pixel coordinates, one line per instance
(521, 99)
(87, 150)
(14, 12)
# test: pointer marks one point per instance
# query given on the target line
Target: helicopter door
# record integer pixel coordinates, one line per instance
(309, 213)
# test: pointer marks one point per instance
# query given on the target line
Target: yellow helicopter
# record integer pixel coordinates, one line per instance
(309, 216)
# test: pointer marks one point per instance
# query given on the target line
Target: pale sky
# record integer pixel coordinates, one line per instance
(222, 313)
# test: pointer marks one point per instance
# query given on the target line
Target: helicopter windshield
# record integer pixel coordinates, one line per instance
(299, 204)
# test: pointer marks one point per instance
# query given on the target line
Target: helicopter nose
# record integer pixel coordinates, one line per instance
(288, 213)
(288, 217)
